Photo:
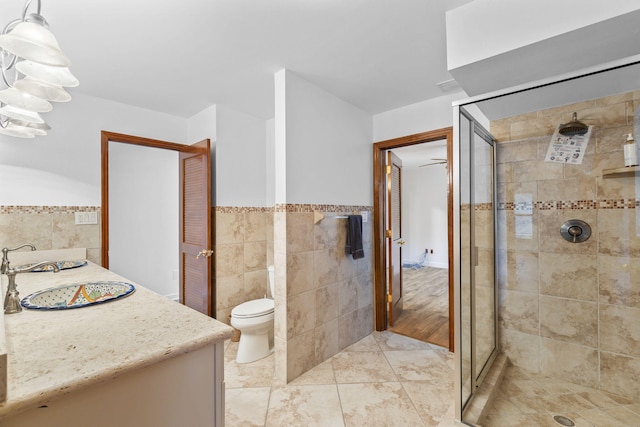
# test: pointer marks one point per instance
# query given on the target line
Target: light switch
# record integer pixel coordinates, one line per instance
(365, 216)
(83, 218)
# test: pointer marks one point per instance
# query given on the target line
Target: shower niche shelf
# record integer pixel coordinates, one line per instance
(621, 172)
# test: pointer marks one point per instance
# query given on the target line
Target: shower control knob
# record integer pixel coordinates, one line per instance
(575, 231)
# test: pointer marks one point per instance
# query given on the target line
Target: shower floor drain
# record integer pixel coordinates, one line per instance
(564, 421)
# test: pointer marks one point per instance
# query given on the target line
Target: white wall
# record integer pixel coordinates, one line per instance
(240, 159)
(280, 136)
(415, 118)
(270, 161)
(144, 216)
(485, 28)
(63, 168)
(202, 125)
(328, 145)
(424, 215)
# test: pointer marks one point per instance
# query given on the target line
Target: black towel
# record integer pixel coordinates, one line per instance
(354, 236)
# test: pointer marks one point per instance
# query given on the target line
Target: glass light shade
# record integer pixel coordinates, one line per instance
(18, 131)
(42, 126)
(42, 90)
(60, 76)
(20, 114)
(16, 98)
(27, 129)
(35, 43)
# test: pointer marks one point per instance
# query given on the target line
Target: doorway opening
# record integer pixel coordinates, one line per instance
(192, 229)
(413, 280)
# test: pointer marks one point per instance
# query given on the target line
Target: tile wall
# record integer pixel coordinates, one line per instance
(571, 311)
(243, 250)
(50, 227)
(324, 298)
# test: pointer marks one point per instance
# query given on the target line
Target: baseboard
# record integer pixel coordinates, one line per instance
(174, 297)
(439, 264)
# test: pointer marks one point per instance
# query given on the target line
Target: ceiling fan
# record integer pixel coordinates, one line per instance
(436, 162)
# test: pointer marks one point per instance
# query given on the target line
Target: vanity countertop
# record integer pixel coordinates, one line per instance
(52, 353)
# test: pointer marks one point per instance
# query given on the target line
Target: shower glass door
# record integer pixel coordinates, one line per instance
(476, 282)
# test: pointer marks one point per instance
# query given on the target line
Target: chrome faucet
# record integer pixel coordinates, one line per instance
(5, 256)
(12, 299)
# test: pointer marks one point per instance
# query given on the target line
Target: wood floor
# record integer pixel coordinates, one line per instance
(426, 305)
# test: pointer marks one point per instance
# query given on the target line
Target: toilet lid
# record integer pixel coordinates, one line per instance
(253, 308)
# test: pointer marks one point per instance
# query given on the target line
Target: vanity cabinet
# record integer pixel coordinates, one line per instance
(139, 361)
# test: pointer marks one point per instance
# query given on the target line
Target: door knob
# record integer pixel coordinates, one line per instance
(401, 242)
(205, 253)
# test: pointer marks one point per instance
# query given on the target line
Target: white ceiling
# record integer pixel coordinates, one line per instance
(418, 155)
(181, 56)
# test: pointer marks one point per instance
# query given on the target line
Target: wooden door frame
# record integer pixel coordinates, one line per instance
(380, 261)
(107, 137)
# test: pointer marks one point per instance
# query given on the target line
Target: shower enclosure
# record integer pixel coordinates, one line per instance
(476, 293)
(564, 312)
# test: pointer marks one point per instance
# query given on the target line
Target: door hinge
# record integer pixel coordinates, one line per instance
(389, 298)
(388, 169)
(389, 234)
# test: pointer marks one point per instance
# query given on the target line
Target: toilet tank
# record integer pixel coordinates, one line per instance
(272, 280)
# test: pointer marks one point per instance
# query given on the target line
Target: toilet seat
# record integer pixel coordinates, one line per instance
(253, 308)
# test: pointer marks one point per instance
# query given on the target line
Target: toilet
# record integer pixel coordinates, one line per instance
(254, 319)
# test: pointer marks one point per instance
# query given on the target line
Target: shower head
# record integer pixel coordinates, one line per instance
(574, 127)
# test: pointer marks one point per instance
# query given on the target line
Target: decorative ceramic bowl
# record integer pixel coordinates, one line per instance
(62, 265)
(77, 295)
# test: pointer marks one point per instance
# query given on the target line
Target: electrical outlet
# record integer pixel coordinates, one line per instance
(431, 251)
(426, 251)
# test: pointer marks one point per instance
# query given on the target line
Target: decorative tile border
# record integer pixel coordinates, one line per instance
(575, 204)
(10, 209)
(306, 208)
(478, 207)
(242, 209)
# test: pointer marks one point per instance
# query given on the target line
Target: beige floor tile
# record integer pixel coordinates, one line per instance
(256, 374)
(308, 405)
(377, 404)
(246, 407)
(367, 343)
(634, 408)
(448, 419)
(321, 374)
(502, 405)
(253, 395)
(597, 399)
(527, 404)
(598, 418)
(431, 399)
(362, 367)
(390, 341)
(530, 420)
(419, 365)
(625, 416)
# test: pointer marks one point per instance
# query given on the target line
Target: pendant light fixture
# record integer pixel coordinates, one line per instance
(34, 71)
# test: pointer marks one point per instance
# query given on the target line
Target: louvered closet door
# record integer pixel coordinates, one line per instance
(195, 228)
(394, 236)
